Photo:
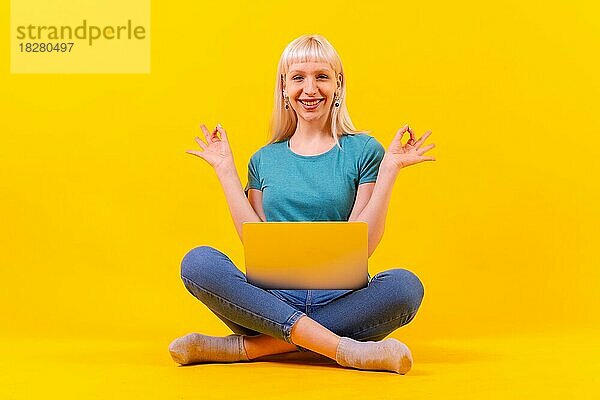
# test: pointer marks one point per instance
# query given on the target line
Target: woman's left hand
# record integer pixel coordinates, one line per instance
(399, 156)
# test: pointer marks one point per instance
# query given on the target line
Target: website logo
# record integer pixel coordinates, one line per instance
(80, 36)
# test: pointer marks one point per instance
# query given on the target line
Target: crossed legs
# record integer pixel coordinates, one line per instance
(390, 301)
(306, 333)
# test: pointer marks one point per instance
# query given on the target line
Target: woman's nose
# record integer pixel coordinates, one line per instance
(310, 87)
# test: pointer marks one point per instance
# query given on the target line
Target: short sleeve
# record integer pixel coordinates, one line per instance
(253, 173)
(368, 165)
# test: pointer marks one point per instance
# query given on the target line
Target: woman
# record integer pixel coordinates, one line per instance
(316, 166)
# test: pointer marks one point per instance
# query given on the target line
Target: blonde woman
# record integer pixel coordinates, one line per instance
(316, 167)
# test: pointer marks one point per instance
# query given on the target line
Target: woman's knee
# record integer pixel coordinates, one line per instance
(407, 287)
(198, 262)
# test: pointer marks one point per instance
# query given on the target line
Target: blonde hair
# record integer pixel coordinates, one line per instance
(304, 49)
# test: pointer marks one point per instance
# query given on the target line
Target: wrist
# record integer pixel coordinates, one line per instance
(225, 170)
(389, 168)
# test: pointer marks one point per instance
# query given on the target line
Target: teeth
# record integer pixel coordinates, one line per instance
(310, 103)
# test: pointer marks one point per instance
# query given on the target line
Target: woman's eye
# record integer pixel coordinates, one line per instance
(299, 77)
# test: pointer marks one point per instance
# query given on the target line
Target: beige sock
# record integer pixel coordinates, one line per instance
(196, 348)
(388, 355)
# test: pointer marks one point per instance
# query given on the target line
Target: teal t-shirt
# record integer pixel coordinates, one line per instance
(313, 188)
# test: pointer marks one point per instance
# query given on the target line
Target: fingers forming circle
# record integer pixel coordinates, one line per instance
(412, 136)
(398, 138)
(214, 137)
(223, 133)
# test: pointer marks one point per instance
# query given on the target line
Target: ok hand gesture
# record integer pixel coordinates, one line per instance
(216, 151)
(399, 156)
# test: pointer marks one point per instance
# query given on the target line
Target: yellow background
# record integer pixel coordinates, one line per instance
(100, 202)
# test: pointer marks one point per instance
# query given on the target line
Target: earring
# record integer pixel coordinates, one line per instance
(337, 101)
(287, 102)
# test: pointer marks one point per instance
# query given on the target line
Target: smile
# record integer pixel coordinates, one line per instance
(309, 105)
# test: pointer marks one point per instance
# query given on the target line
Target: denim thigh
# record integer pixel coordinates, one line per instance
(212, 278)
(390, 301)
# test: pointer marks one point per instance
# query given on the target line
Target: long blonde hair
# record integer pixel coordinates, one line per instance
(304, 49)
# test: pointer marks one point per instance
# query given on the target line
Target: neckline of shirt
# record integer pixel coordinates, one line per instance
(314, 156)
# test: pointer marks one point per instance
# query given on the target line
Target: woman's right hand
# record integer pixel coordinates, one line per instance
(215, 151)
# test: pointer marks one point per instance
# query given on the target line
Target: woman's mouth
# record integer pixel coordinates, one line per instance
(310, 105)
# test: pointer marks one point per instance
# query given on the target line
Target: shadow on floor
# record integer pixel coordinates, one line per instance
(422, 353)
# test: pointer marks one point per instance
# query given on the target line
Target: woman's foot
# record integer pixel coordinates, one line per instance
(387, 355)
(197, 348)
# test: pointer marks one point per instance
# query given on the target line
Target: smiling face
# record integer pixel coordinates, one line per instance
(311, 87)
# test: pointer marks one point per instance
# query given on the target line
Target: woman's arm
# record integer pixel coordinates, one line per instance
(396, 157)
(239, 206)
(255, 197)
(375, 212)
(217, 152)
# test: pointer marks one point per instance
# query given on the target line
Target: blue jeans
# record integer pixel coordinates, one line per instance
(390, 300)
